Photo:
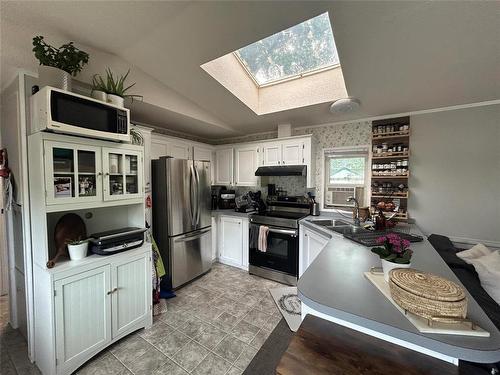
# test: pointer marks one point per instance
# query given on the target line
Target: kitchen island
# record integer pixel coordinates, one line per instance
(334, 287)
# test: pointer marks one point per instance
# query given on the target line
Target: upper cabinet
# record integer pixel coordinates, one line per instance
(163, 146)
(84, 173)
(73, 173)
(246, 160)
(224, 166)
(288, 152)
(123, 176)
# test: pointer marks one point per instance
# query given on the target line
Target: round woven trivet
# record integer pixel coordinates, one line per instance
(427, 295)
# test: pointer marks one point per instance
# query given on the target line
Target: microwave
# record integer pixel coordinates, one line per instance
(69, 113)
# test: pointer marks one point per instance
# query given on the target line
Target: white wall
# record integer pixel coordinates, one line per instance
(455, 173)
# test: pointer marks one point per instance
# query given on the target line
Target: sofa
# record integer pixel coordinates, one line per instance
(469, 278)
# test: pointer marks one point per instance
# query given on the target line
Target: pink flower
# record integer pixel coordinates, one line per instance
(381, 240)
(406, 244)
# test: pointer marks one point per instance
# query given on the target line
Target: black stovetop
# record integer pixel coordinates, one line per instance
(283, 214)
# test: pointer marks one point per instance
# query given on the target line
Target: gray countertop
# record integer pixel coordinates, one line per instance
(334, 284)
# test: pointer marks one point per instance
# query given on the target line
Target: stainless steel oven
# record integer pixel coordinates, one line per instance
(281, 255)
(280, 261)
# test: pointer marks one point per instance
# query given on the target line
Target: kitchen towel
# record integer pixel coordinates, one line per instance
(263, 231)
(254, 236)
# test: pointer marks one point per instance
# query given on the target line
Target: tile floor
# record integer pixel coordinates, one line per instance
(214, 326)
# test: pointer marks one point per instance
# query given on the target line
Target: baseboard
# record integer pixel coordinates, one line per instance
(466, 243)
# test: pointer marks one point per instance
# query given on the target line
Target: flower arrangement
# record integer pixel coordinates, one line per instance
(395, 249)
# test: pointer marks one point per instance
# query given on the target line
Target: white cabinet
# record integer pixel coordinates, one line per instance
(214, 239)
(311, 244)
(82, 315)
(130, 293)
(176, 148)
(179, 150)
(73, 172)
(292, 152)
(123, 177)
(224, 166)
(233, 241)
(87, 306)
(205, 154)
(82, 173)
(246, 160)
(271, 154)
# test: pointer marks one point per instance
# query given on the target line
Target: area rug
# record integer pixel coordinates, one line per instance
(268, 357)
(289, 305)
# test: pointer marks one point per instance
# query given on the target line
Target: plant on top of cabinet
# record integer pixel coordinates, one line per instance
(114, 87)
(57, 65)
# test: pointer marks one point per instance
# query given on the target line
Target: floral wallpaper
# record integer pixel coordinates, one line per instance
(329, 136)
(324, 136)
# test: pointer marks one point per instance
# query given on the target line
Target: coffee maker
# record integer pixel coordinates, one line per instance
(216, 189)
(227, 199)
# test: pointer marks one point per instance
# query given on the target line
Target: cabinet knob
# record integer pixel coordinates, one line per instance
(279, 162)
(99, 173)
(112, 291)
(283, 162)
(107, 174)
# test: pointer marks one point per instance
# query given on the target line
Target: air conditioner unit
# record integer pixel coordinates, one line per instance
(338, 196)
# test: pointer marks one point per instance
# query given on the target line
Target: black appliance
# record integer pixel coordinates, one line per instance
(271, 190)
(227, 199)
(215, 194)
(282, 170)
(116, 241)
(280, 262)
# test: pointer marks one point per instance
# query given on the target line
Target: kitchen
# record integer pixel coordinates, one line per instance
(259, 191)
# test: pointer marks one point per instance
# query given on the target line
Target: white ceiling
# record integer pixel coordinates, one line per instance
(396, 56)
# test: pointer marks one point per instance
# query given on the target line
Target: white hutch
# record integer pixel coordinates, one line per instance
(81, 307)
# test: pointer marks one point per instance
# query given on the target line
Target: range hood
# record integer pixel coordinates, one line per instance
(283, 170)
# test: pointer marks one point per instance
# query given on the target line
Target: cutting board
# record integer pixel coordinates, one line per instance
(462, 328)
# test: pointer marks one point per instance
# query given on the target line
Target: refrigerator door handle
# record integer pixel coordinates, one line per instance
(198, 199)
(193, 236)
(192, 195)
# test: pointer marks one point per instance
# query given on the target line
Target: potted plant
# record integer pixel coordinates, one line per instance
(77, 249)
(395, 253)
(114, 87)
(57, 65)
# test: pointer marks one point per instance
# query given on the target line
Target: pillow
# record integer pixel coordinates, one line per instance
(488, 270)
(474, 252)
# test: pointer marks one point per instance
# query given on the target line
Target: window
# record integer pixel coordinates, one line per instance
(301, 49)
(345, 176)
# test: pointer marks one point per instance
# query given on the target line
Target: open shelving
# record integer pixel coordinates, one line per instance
(390, 164)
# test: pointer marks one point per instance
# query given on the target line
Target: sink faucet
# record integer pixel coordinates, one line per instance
(356, 210)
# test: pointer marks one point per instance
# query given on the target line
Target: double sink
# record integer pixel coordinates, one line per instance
(339, 226)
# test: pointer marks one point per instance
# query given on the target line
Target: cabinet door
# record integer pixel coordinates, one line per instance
(224, 166)
(123, 175)
(72, 173)
(131, 293)
(272, 154)
(246, 162)
(82, 316)
(231, 241)
(179, 150)
(293, 153)
(315, 243)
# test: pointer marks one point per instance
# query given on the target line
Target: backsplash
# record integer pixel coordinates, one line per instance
(293, 185)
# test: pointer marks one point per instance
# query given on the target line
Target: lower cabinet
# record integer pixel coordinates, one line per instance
(93, 306)
(311, 244)
(233, 241)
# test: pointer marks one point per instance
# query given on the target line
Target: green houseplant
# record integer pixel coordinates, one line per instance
(113, 86)
(77, 248)
(394, 253)
(57, 65)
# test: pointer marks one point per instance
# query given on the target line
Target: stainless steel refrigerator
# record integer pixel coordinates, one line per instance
(181, 217)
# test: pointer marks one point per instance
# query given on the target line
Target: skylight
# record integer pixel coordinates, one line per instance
(301, 49)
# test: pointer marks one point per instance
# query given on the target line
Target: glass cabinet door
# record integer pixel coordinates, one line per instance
(123, 174)
(72, 173)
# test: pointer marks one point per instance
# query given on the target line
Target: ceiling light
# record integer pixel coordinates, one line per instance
(346, 105)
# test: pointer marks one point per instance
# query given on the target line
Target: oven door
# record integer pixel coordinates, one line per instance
(282, 250)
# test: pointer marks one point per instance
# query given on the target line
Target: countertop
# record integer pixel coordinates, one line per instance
(230, 212)
(334, 284)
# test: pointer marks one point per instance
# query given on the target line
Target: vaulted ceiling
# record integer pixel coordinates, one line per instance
(396, 56)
